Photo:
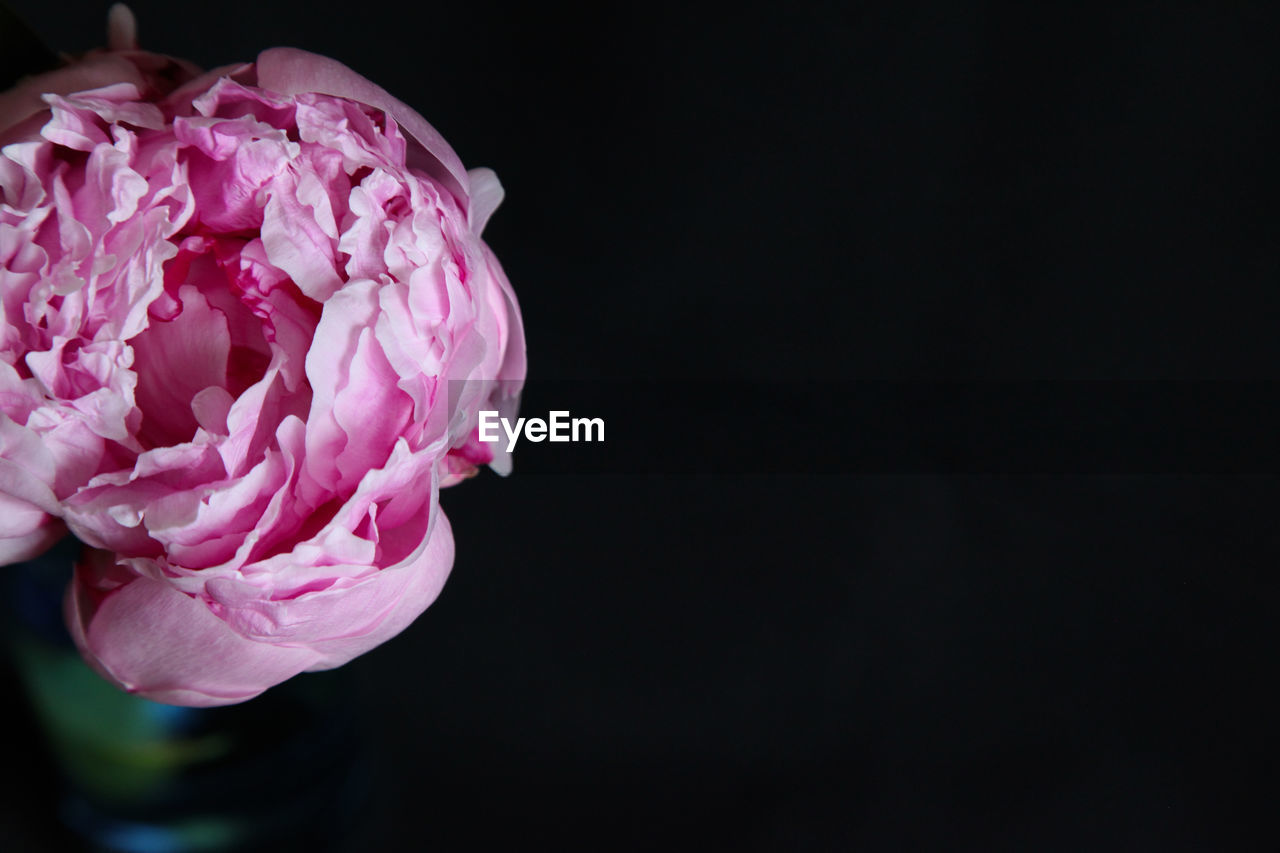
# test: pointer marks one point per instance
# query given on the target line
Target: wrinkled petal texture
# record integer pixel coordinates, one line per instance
(248, 329)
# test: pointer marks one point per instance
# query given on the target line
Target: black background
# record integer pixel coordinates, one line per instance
(787, 191)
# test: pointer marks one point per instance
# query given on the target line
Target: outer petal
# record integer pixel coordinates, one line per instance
(404, 590)
(27, 468)
(486, 195)
(511, 374)
(152, 640)
(290, 71)
(25, 531)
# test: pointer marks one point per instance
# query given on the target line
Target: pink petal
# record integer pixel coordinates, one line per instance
(24, 101)
(25, 531)
(27, 468)
(345, 317)
(354, 614)
(291, 72)
(486, 195)
(297, 243)
(152, 640)
(177, 360)
(371, 409)
(416, 583)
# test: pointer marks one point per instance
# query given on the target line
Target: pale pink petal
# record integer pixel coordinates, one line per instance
(180, 358)
(424, 574)
(24, 100)
(291, 72)
(297, 243)
(337, 336)
(26, 531)
(486, 195)
(353, 615)
(27, 468)
(372, 409)
(152, 640)
(122, 28)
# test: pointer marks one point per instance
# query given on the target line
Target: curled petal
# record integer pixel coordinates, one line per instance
(151, 639)
(289, 71)
(486, 195)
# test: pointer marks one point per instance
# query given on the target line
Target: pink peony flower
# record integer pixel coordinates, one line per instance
(248, 325)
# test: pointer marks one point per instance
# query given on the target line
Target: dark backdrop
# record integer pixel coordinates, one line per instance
(789, 191)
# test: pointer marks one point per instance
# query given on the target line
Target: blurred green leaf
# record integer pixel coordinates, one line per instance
(109, 741)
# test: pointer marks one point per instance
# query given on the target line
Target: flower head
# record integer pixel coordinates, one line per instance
(248, 324)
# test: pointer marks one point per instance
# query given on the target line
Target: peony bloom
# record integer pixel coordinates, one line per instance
(248, 325)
